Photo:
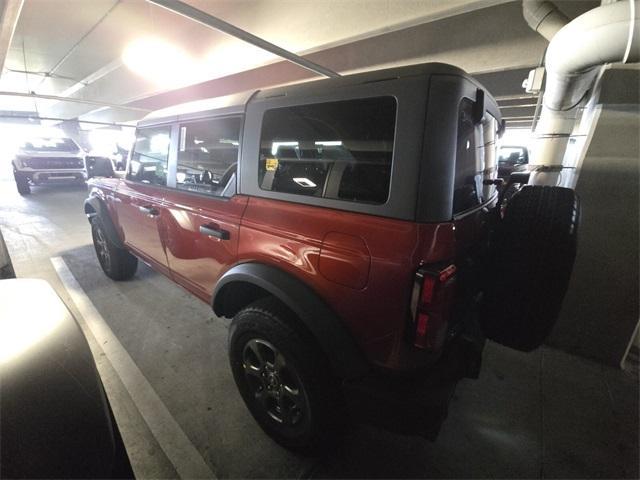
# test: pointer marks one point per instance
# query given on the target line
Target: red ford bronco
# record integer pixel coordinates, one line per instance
(352, 229)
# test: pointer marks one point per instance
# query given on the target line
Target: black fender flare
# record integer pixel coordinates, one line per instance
(95, 206)
(326, 327)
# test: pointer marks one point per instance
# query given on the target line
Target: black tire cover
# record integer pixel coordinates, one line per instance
(531, 260)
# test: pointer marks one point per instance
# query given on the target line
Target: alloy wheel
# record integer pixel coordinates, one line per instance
(274, 383)
(103, 249)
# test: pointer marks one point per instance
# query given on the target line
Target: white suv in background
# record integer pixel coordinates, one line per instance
(48, 160)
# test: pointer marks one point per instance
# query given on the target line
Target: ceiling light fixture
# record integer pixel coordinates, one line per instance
(160, 62)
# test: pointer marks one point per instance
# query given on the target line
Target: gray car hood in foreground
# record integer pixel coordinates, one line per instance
(56, 420)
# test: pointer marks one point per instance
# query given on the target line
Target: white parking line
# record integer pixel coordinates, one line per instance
(176, 445)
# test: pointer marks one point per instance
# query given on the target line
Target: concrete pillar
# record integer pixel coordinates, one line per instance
(71, 129)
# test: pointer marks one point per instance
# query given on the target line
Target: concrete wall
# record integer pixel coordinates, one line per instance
(601, 309)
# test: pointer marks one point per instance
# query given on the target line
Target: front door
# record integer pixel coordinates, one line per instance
(139, 198)
(203, 212)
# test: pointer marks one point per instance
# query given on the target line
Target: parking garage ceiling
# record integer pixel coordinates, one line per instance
(132, 53)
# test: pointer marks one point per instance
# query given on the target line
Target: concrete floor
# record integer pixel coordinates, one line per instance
(544, 414)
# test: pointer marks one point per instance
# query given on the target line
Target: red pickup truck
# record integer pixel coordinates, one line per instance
(351, 229)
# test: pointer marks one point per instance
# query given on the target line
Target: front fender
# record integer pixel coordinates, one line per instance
(329, 331)
(95, 206)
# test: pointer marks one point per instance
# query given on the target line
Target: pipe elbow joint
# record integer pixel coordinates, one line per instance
(543, 17)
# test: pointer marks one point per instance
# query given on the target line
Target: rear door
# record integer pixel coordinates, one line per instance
(139, 199)
(203, 212)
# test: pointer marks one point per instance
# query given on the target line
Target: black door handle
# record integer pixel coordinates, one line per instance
(147, 210)
(213, 231)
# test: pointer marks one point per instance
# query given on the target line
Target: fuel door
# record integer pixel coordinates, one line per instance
(345, 260)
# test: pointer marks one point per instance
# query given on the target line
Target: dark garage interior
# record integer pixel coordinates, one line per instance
(319, 239)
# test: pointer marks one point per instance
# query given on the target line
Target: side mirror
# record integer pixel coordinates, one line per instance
(478, 106)
(99, 167)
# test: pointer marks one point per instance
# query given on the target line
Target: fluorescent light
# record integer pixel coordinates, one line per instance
(73, 89)
(332, 143)
(95, 76)
(304, 182)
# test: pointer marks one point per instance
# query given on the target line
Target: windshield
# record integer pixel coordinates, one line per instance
(51, 145)
(513, 155)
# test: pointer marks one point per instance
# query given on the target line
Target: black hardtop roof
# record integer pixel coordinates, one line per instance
(235, 104)
(306, 88)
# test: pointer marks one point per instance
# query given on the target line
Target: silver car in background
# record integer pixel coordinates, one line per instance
(48, 160)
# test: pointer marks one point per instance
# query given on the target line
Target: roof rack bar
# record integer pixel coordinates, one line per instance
(204, 18)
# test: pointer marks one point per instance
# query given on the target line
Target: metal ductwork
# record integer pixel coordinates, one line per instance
(575, 56)
(543, 17)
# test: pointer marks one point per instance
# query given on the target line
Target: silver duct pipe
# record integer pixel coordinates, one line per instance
(543, 17)
(576, 53)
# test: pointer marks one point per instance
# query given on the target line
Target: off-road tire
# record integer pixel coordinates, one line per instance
(22, 183)
(306, 368)
(117, 263)
(532, 257)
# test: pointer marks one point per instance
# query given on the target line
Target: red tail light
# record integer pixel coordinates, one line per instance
(431, 305)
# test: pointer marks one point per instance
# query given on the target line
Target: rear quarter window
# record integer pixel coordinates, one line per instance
(339, 150)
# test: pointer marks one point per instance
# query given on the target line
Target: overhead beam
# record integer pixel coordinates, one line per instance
(74, 47)
(71, 100)
(10, 14)
(58, 119)
(216, 23)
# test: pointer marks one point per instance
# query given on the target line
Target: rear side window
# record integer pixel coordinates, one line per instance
(208, 155)
(513, 156)
(150, 156)
(469, 170)
(339, 150)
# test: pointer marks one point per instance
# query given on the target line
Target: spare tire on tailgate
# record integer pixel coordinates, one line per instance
(531, 257)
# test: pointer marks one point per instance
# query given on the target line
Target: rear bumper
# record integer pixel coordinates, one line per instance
(53, 175)
(416, 405)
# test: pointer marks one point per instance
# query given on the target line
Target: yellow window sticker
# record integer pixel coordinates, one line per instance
(271, 164)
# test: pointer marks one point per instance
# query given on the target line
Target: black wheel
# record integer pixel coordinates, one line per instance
(284, 378)
(531, 262)
(22, 183)
(117, 263)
